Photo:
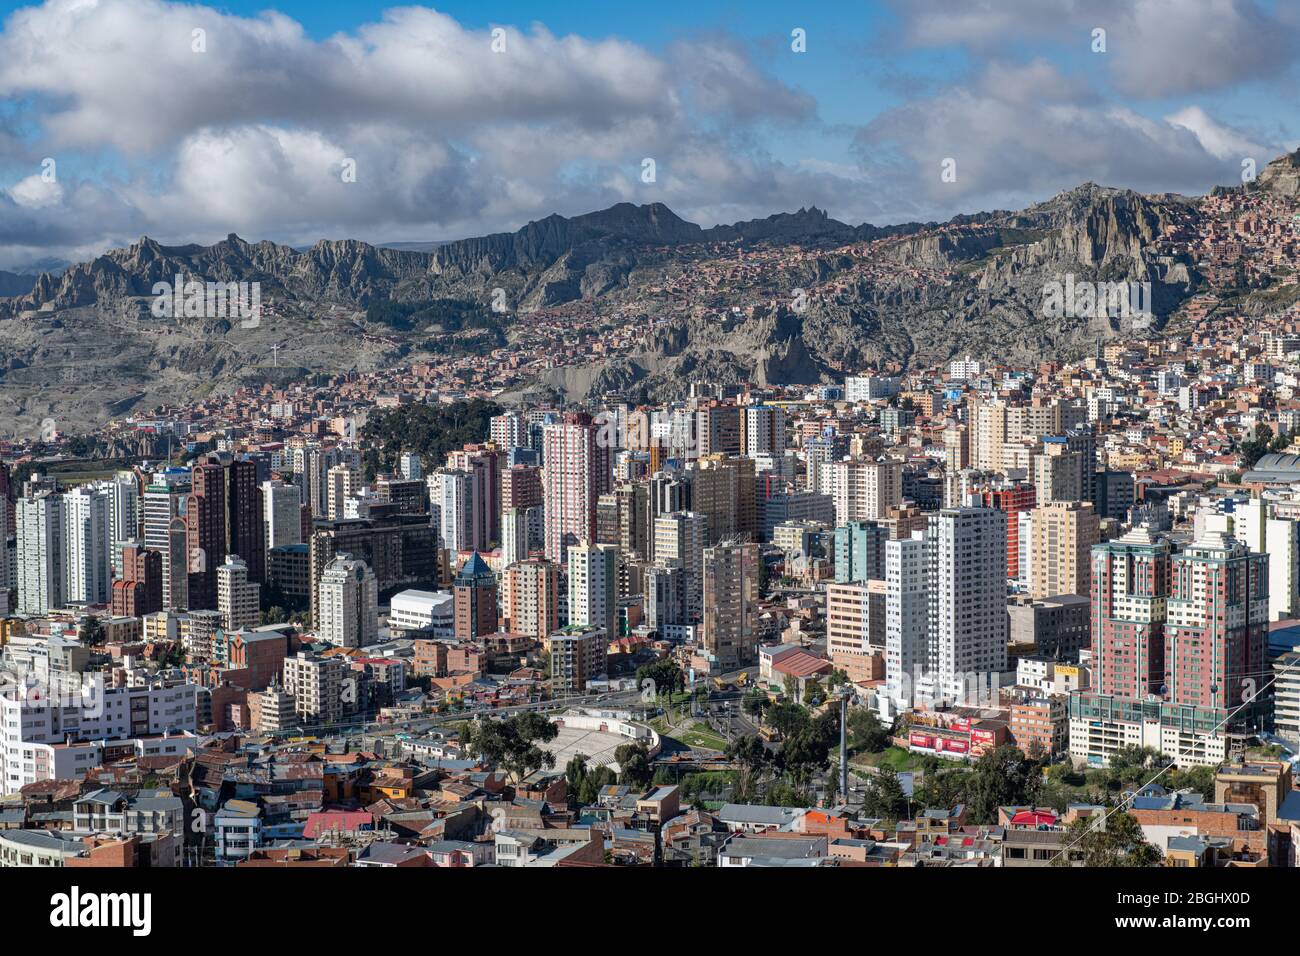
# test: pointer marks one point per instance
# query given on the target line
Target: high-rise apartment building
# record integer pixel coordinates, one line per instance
(855, 618)
(1130, 593)
(348, 599)
(282, 504)
(860, 551)
(906, 629)
(138, 591)
(966, 605)
(205, 532)
(341, 483)
(237, 596)
(245, 517)
(1063, 533)
(1216, 633)
(451, 496)
(718, 429)
(88, 545)
(763, 428)
(593, 586)
(679, 539)
(530, 594)
(578, 655)
(163, 505)
(1259, 524)
(474, 595)
(729, 625)
(571, 483)
(867, 490)
(40, 571)
(1012, 500)
(724, 491)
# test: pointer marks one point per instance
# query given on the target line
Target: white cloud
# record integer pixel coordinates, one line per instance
(1220, 141)
(452, 139)
(1154, 48)
(449, 137)
(1011, 150)
(36, 192)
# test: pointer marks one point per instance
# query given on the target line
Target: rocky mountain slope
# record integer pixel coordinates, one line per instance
(795, 297)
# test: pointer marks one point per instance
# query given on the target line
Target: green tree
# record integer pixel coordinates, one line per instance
(512, 743)
(1256, 447)
(428, 430)
(804, 754)
(866, 732)
(1001, 777)
(1108, 841)
(944, 788)
(753, 761)
(786, 718)
(755, 703)
(666, 675)
(883, 796)
(635, 768)
(91, 630)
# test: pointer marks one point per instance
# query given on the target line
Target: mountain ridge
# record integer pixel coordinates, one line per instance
(722, 302)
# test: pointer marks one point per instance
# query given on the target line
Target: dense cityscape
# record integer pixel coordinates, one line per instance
(944, 617)
(624, 441)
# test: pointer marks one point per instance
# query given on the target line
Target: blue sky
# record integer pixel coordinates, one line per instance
(448, 138)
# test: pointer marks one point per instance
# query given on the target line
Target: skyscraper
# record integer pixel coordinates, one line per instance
(348, 602)
(1259, 525)
(860, 551)
(866, 490)
(764, 431)
(724, 491)
(729, 626)
(570, 483)
(341, 482)
(245, 518)
(409, 466)
(451, 507)
(205, 532)
(966, 605)
(88, 545)
(237, 596)
(530, 598)
(484, 463)
(593, 586)
(1063, 534)
(1012, 499)
(906, 628)
(282, 505)
(679, 539)
(138, 589)
(123, 512)
(666, 598)
(164, 502)
(474, 594)
(1216, 635)
(521, 531)
(40, 553)
(718, 429)
(1130, 590)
